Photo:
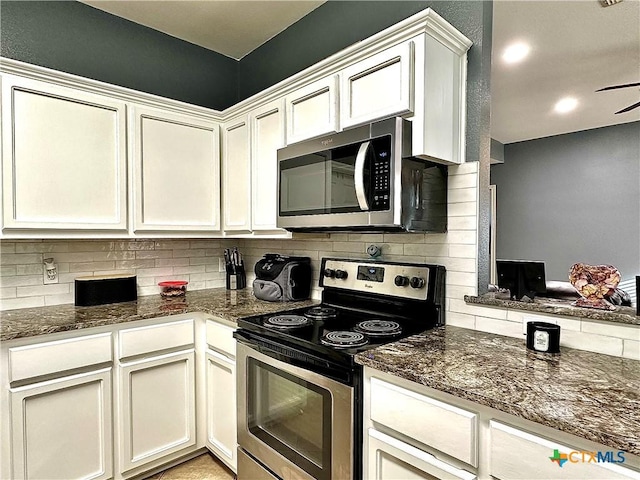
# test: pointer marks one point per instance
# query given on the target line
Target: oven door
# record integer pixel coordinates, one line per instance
(298, 423)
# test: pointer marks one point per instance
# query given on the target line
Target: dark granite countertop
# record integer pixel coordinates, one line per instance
(593, 396)
(559, 307)
(226, 304)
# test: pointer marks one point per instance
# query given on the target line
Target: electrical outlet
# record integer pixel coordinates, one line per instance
(50, 277)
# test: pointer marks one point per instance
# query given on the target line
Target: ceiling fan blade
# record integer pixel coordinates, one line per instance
(614, 87)
(629, 108)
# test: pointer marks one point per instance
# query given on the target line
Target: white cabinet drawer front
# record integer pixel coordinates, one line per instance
(220, 337)
(63, 429)
(155, 338)
(312, 110)
(389, 458)
(516, 454)
(377, 87)
(65, 158)
(63, 355)
(444, 427)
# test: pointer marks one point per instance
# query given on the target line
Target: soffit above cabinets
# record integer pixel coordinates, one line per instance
(232, 28)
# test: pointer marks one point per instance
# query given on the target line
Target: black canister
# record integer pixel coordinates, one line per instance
(543, 337)
(638, 295)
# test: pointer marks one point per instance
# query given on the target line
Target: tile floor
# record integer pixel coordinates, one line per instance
(204, 467)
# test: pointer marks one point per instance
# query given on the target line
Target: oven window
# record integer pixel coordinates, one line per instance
(290, 415)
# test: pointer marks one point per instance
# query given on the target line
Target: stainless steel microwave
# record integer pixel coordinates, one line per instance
(362, 179)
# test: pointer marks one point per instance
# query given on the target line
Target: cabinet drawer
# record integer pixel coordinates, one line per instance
(444, 427)
(518, 454)
(220, 337)
(153, 338)
(51, 357)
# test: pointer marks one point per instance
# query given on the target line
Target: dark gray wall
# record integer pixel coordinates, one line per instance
(76, 38)
(572, 198)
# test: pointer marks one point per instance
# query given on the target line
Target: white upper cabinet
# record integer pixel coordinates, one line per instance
(379, 86)
(64, 158)
(176, 171)
(267, 135)
(312, 110)
(236, 176)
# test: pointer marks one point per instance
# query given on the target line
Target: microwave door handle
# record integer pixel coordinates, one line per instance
(361, 158)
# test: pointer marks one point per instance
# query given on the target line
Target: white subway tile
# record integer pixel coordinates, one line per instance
(8, 270)
(619, 330)
(21, 281)
(133, 264)
(25, 302)
(391, 248)
(460, 195)
(463, 168)
(427, 249)
(457, 291)
(460, 320)
(197, 285)
(203, 260)
(143, 291)
(349, 247)
(190, 269)
(469, 222)
(59, 299)
(91, 266)
(404, 237)
(462, 209)
(197, 244)
(154, 272)
(336, 237)
(8, 292)
(366, 237)
(215, 283)
(199, 252)
(172, 245)
(463, 237)
(74, 257)
(462, 251)
(460, 264)
(20, 258)
(435, 238)
(469, 180)
(145, 254)
(54, 289)
(33, 247)
(464, 279)
(591, 342)
(120, 255)
(171, 262)
(33, 269)
(631, 349)
(499, 327)
(7, 247)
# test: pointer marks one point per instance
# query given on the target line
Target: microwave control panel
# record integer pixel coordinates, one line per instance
(381, 179)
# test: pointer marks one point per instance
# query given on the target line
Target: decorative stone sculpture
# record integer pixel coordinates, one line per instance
(593, 283)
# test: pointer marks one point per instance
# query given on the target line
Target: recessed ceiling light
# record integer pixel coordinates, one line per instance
(565, 105)
(515, 53)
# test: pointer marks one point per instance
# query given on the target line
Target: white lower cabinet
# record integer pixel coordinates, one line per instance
(414, 432)
(221, 393)
(62, 428)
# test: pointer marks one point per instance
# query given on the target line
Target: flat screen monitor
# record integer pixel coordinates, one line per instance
(521, 277)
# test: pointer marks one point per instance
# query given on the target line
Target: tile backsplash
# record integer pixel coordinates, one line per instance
(22, 268)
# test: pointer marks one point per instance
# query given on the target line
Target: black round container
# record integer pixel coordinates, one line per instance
(543, 337)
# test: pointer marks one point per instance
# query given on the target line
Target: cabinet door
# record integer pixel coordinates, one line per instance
(61, 429)
(267, 136)
(236, 175)
(157, 407)
(390, 459)
(312, 110)
(221, 407)
(533, 460)
(176, 172)
(377, 87)
(64, 158)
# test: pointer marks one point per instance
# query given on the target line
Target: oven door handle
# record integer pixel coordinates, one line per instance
(361, 158)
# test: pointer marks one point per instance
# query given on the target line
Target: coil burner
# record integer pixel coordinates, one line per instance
(287, 322)
(321, 313)
(379, 328)
(344, 339)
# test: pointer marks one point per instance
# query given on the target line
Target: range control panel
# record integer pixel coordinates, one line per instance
(406, 281)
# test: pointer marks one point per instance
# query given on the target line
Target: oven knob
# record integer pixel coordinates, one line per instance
(416, 282)
(328, 272)
(401, 281)
(341, 274)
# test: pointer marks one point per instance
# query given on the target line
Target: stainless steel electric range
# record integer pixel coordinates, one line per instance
(299, 388)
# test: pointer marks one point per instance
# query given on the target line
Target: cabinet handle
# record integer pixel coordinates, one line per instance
(359, 176)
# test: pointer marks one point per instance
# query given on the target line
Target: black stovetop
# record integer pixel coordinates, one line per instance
(309, 338)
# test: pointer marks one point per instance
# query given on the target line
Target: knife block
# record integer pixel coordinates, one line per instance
(236, 281)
